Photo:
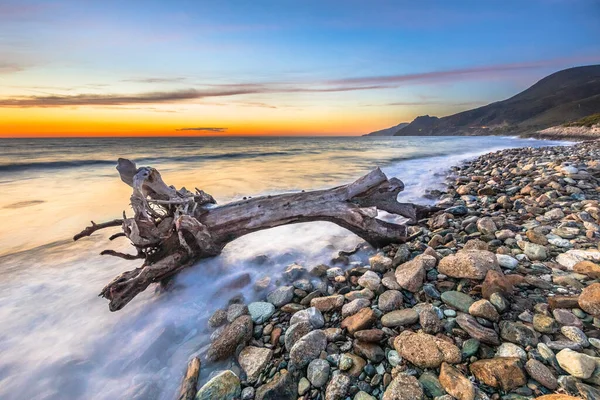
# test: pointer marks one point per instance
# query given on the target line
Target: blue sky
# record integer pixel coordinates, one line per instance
(272, 63)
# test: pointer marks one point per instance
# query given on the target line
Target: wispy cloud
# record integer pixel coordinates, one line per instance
(436, 103)
(453, 75)
(331, 86)
(204, 129)
(6, 67)
(155, 80)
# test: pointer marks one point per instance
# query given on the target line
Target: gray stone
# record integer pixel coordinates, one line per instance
(396, 318)
(535, 252)
(225, 385)
(261, 311)
(370, 280)
(318, 372)
(541, 373)
(295, 332)
(458, 300)
(354, 306)
(281, 296)
(308, 348)
(253, 360)
(390, 300)
(311, 315)
(506, 261)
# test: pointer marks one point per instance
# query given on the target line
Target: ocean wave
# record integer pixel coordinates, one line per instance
(42, 165)
(17, 167)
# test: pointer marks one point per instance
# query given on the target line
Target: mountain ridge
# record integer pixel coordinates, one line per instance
(388, 131)
(556, 99)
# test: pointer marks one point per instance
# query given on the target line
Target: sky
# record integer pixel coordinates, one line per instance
(136, 68)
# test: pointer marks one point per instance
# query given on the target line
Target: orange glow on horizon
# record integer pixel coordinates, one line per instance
(115, 122)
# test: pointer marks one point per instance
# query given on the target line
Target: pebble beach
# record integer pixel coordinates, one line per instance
(497, 297)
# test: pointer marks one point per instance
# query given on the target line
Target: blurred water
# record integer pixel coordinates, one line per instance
(57, 338)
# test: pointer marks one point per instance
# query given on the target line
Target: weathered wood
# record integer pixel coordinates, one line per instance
(190, 381)
(94, 227)
(172, 229)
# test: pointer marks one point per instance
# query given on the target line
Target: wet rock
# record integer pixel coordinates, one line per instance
(541, 373)
(566, 317)
(496, 282)
(455, 383)
(457, 300)
(486, 226)
(576, 335)
(239, 331)
(588, 268)
(261, 311)
(518, 333)
(506, 261)
(563, 302)
(470, 264)
(403, 387)
(359, 321)
(537, 238)
(511, 350)
(370, 280)
(371, 351)
(535, 252)
(589, 300)
(424, 350)
(338, 387)
(308, 348)
(354, 306)
(295, 332)
(303, 386)
(311, 315)
(430, 321)
(355, 364)
(380, 263)
(293, 272)
(476, 331)
(498, 301)
(281, 386)
(577, 364)
(318, 372)
(544, 324)
(363, 396)
(397, 318)
(253, 360)
(217, 319)
(328, 303)
(236, 310)
(431, 385)
(390, 300)
(410, 275)
(484, 309)
(370, 335)
(280, 296)
(225, 385)
(505, 373)
(248, 393)
(360, 294)
(402, 255)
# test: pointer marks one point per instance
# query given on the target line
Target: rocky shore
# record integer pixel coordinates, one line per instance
(496, 297)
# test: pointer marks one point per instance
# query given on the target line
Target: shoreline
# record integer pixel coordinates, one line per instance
(490, 294)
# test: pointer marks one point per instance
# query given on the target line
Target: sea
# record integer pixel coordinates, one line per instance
(58, 339)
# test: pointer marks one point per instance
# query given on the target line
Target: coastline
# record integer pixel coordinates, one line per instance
(490, 293)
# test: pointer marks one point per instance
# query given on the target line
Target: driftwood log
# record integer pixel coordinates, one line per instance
(173, 229)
